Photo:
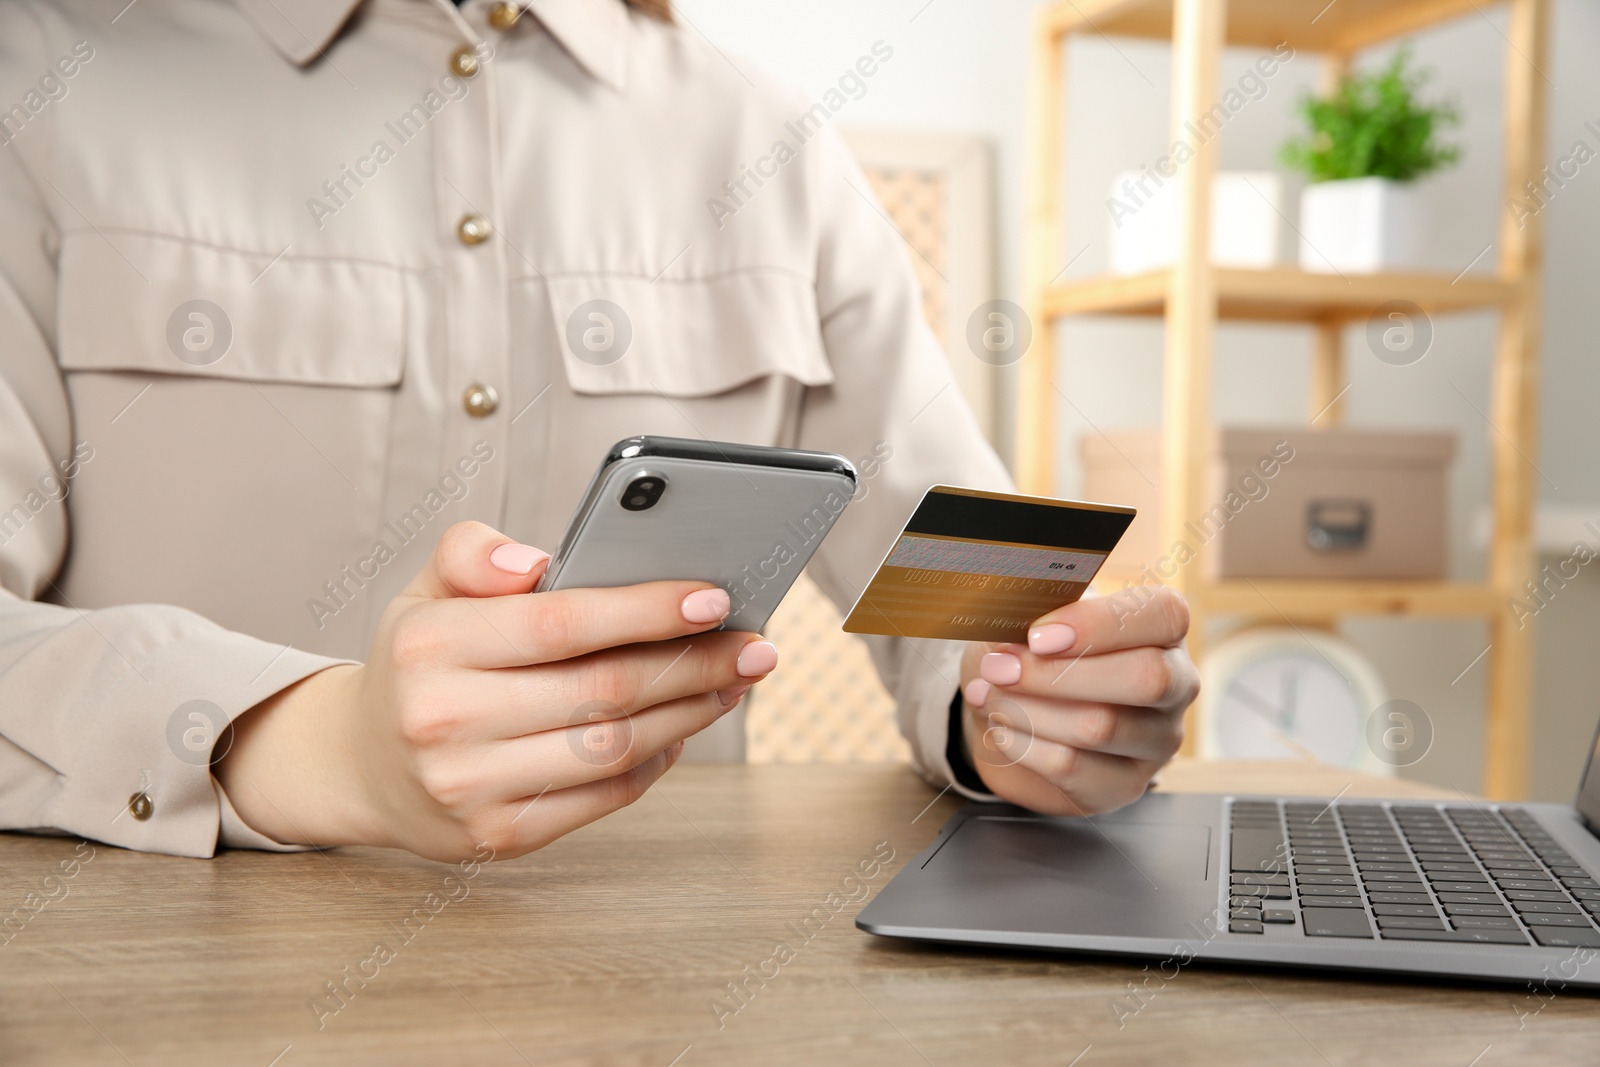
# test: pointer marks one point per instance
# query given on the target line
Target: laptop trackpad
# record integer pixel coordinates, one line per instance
(1076, 876)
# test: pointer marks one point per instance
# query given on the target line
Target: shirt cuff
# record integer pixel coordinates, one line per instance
(962, 772)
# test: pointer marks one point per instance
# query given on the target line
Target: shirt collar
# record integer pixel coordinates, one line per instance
(594, 32)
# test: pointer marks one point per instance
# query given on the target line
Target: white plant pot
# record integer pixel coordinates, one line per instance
(1360, 226)
(1247, 213)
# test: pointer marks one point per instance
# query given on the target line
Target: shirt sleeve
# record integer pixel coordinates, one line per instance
(92, 697)
(894, 409)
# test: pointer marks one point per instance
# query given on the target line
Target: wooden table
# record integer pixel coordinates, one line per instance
(614, 945)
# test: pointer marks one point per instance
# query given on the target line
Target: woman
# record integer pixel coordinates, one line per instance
(302, 302)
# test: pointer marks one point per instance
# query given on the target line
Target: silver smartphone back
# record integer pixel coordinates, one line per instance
(745, 517)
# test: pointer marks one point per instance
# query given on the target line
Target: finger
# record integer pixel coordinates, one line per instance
(1136, 616)
(532, 822)
(1148, 677)
(613, 683)
(589, 751)
(522, 629)
(1070, 781)
(1137, 733)
(475, 560)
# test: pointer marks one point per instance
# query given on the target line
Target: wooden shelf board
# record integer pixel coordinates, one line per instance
(1316, 599)
(1307, 25)
(1283, 294)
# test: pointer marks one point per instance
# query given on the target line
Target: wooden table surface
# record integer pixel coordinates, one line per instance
(615, 945)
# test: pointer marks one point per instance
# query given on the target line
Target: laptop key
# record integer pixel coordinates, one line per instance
(1314, 890)
(1486, 922)
(1335, 922)
(1245, 913)
(1408, 922)
(1469, 898)
(1256, 850)
(1585, 894)
(1461, 887)
(1566, 937)
(1277, 915)
(1244, 926)
(1323, 879)
(1377, 877)
(1579, 883)
(1412, 910)
(1540, 919)
(1321, 868)
(1396, 887)
(1531, 894)
(1399, 898)
(1547, 907)
(1526, 883)
(1476, 909)
(1482, 936)
(1332, 902)
(1395, 867)
(1259, 879)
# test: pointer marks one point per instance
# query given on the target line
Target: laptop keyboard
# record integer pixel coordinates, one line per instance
(1407, 872)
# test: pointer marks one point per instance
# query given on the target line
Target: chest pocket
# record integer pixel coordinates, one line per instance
(686, 338)
(166, 306)
(239, 409)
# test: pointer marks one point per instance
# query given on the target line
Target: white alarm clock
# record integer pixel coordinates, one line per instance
(1289, 693)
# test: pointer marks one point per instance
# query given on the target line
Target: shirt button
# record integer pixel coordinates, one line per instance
(464, 61)
(503, 16)
(480, 400)
(141, 807)
(473, 229)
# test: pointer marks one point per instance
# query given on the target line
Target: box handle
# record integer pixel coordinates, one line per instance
(1338, 525)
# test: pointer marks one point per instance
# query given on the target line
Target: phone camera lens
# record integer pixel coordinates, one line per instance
(643, 493)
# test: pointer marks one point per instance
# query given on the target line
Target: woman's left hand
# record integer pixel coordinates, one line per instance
(1080, 719)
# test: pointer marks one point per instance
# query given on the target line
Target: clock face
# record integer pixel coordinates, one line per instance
(1289, 704)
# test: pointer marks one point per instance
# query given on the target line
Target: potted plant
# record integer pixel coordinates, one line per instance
(1369, 142)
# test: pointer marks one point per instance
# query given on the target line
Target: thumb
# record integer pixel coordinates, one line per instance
(472, 559)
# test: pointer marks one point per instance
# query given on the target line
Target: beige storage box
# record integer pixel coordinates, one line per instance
(1287, 502)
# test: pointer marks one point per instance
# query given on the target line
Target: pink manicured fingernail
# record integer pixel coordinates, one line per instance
(1001, 668)
(1051, 638)
(517, 559)
(706, 605)
(730, 697)
(976, 692)
(757, 658)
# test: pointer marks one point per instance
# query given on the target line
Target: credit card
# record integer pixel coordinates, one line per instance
(978, 566)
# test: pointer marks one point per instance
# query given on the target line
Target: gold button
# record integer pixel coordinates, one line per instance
(473, 229)
(503, 16)
(141, 807)
(464, 61)
(480, 400)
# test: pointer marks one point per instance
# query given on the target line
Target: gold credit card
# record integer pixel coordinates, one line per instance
(977, 566)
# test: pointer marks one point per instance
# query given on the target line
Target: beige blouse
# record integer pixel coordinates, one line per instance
(288, 286)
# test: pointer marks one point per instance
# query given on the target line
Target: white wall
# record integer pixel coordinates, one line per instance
(961, 66)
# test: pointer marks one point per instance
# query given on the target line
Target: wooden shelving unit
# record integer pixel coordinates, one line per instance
(1193, 295)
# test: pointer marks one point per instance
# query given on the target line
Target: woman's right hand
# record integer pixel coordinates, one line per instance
(489, 715)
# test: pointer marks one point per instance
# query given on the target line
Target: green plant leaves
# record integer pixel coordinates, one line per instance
(1374, 127)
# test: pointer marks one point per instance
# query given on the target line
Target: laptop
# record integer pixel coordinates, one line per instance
(1464, 889)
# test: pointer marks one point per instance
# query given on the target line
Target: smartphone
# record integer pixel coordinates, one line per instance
(745, 517)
